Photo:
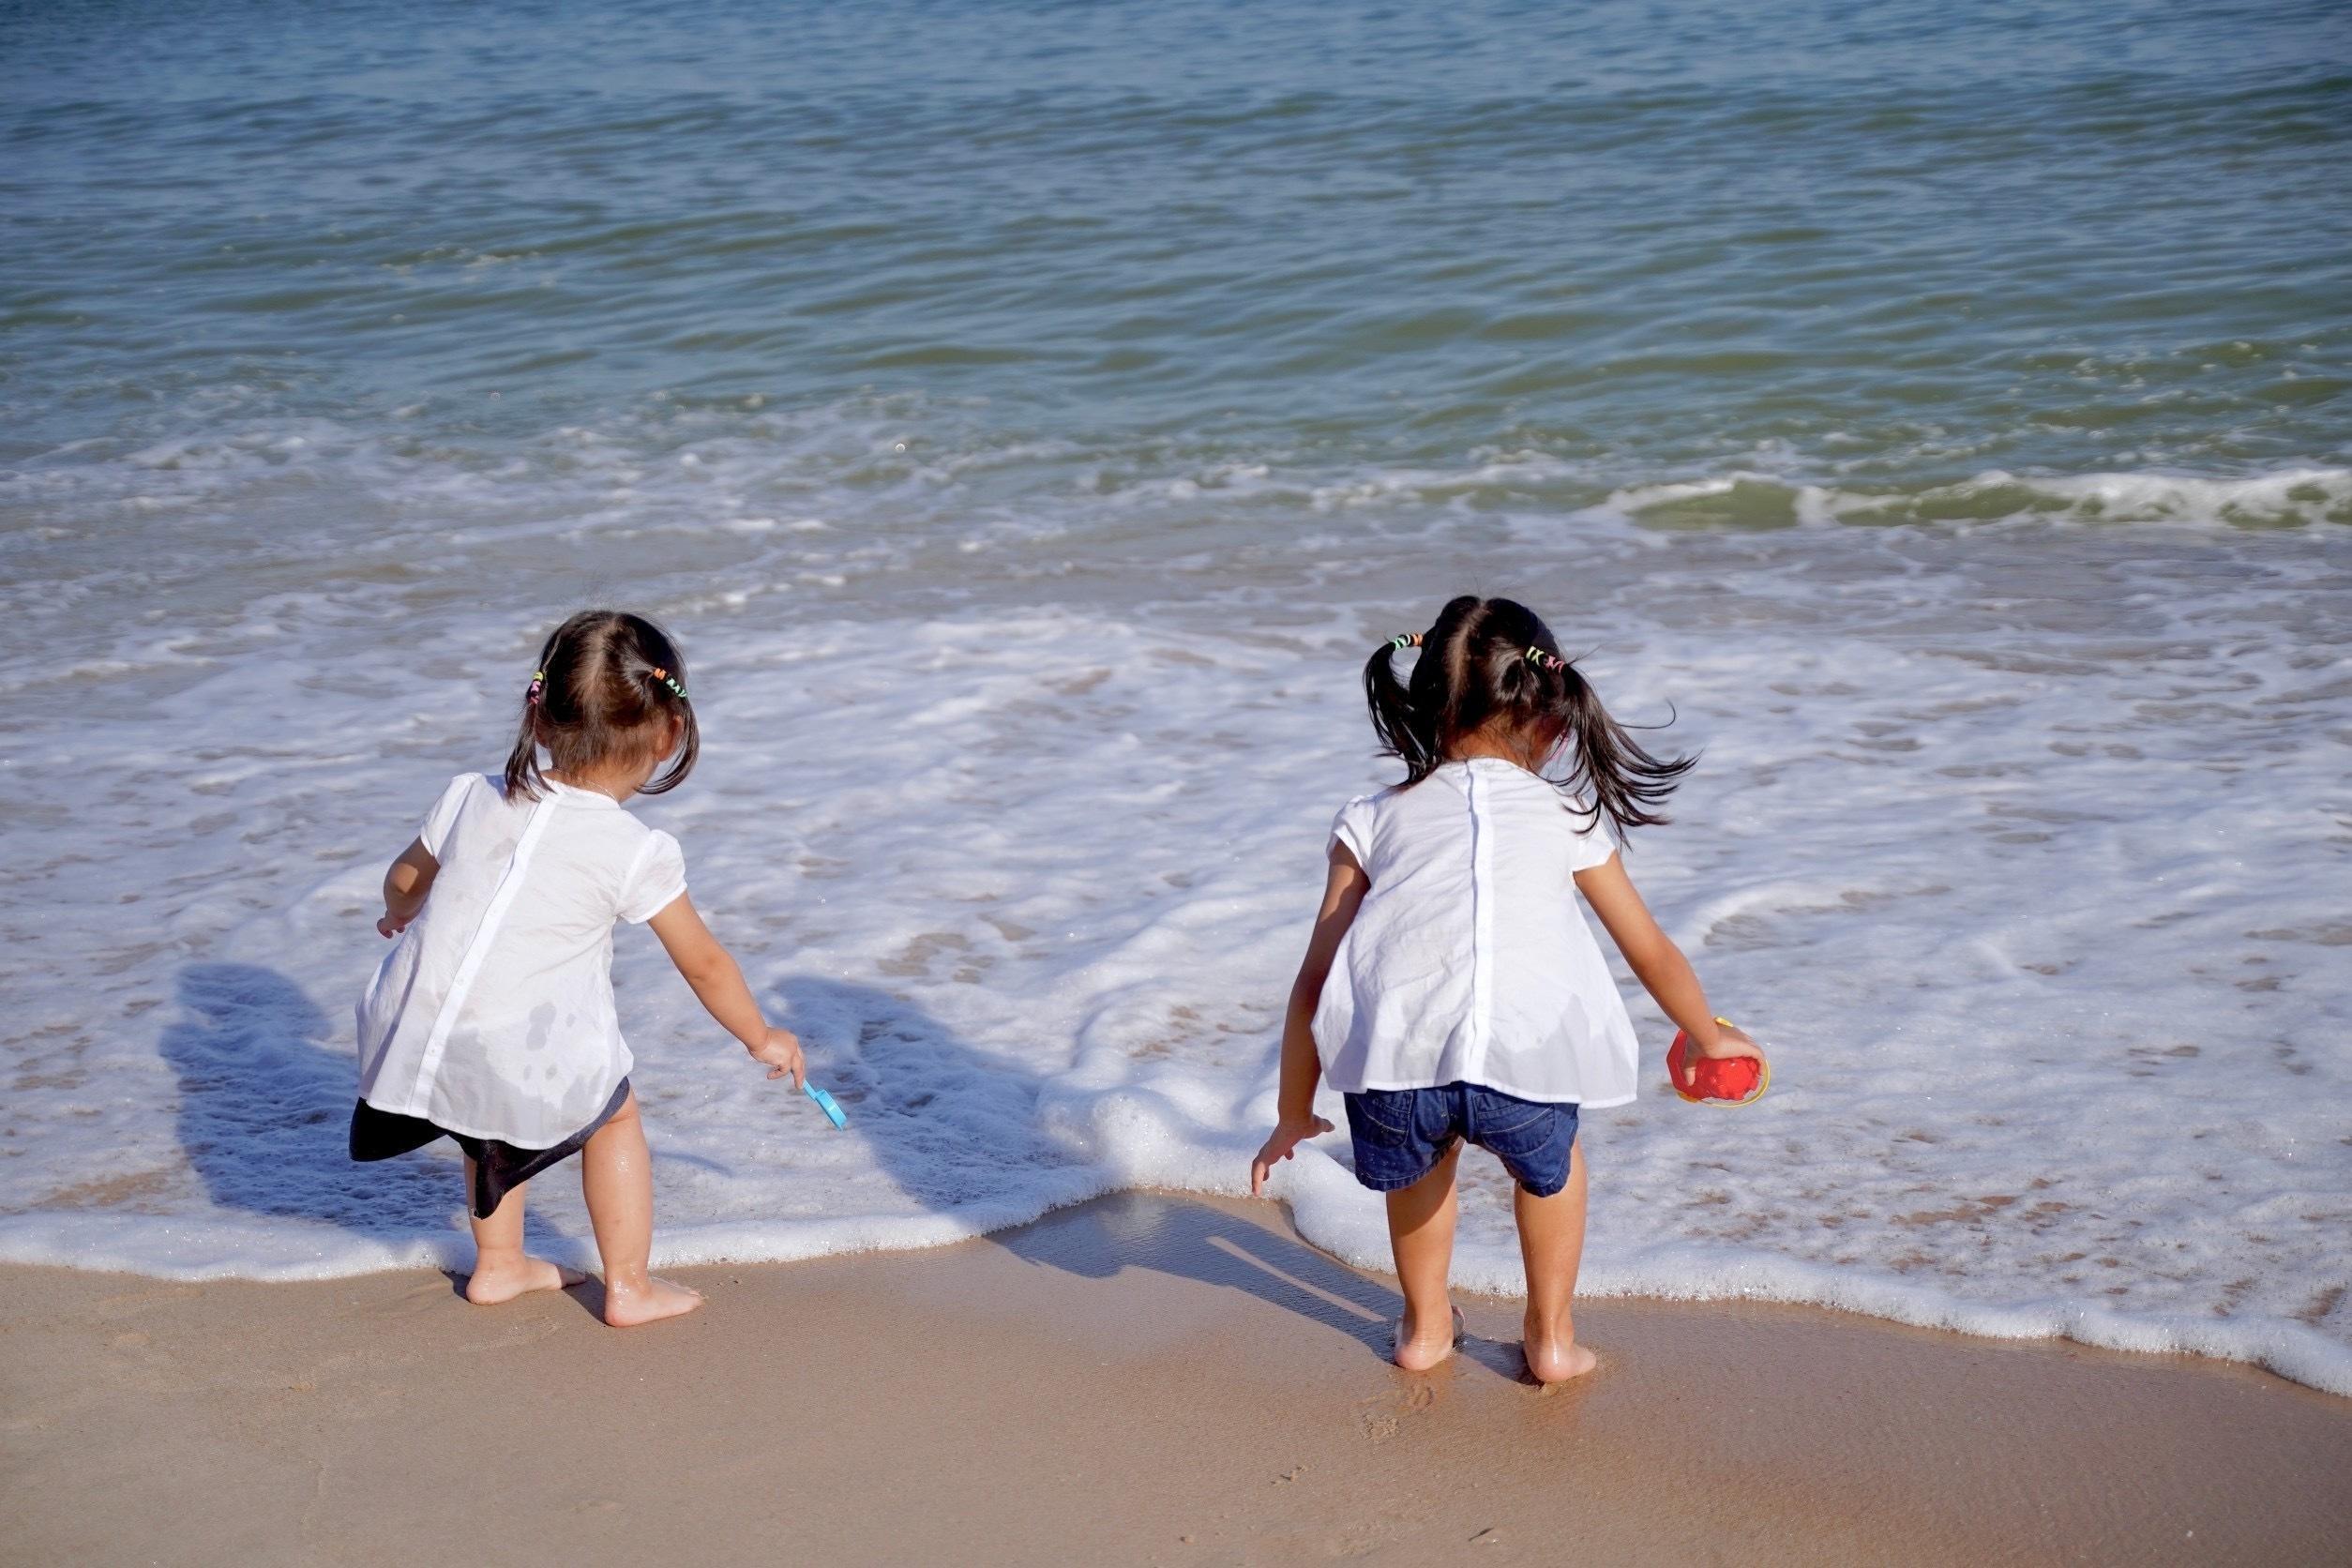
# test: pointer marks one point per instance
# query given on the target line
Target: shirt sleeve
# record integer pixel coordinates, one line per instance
(1593, 844)
(1353, 828)
(655, 881)
(443, 816)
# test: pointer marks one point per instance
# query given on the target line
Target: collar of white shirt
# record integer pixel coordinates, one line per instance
(578, 796)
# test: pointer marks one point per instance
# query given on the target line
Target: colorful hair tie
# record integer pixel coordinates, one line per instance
(539, 685)
(667, 679)
(1542, 660)
(1404, 640)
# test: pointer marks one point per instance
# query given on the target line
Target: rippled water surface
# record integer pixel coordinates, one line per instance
(1029, 415)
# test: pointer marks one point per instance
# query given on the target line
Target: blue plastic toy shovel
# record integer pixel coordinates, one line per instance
(824, 1102)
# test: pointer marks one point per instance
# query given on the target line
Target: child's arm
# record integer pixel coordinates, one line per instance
(717, 981)
(405, 885)
(1656, 962)
(1302, 1069)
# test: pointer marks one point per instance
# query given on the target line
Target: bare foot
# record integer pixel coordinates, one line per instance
(493, 1283)
(1556, 1360)
(1418, 1352)
(649, 1302)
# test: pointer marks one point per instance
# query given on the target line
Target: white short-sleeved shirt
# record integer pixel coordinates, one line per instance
(492, 1015)
(1470, 959)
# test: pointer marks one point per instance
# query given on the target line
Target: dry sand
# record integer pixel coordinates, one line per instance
(1146, 1379)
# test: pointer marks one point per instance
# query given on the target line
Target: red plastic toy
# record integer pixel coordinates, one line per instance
(1730, 1080)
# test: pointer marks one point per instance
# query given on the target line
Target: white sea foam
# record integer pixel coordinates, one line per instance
(2290, 496)
(2018, 858)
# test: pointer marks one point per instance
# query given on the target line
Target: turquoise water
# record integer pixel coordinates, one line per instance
(1029, 417)
(1894, 245)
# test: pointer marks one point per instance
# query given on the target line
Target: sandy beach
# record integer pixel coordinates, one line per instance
(1145, 1379)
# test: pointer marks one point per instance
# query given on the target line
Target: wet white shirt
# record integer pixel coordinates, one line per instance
(1470, 959)
(492, 1015)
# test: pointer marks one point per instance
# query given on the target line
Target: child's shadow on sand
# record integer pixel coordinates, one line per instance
(264, 1114)
(954, 1126)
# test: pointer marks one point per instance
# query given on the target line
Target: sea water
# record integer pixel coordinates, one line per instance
(1030, 417)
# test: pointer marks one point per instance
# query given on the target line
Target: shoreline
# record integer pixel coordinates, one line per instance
(2292, 1351)
(1141, 1378)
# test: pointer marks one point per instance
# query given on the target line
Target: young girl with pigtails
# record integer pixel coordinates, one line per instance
(492, 1019)
(1451, 991)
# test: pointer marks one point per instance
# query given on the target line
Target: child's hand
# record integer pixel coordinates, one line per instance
(779, 1049)
(1730, 1041)
(390, 925)
(1280, 1145)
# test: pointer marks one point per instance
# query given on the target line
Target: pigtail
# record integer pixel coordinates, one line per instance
(1405, 735)
(1624, 780)
(525, 781)
(665, 692)
(1416, 721)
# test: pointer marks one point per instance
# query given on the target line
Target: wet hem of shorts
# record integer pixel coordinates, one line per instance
(1400, 1186)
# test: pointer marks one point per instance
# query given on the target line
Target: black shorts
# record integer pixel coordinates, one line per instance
(499, 1168)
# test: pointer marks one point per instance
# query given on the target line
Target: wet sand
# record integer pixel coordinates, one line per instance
(1146, 1379)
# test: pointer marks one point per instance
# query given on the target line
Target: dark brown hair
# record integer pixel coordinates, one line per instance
(1474, 674)
(608, 686)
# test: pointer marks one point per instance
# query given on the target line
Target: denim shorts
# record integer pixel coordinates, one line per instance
(1401, 1134)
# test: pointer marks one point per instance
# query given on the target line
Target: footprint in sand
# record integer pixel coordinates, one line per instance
(1390, 1411)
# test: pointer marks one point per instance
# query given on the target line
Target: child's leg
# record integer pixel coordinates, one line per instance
(616, 1176)
(501, 1271)
(1551, 1242)
(1421, 1234)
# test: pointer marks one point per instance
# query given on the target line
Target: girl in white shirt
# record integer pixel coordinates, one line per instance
(1452, 992)
(492, 1021)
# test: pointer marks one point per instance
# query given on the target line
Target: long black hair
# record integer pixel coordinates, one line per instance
(609, 685)
(1493, 665)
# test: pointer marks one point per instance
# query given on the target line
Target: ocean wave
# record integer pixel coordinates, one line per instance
(2295, 495)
